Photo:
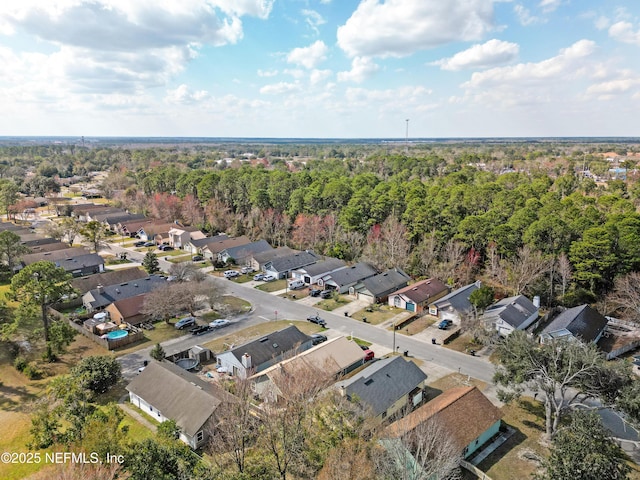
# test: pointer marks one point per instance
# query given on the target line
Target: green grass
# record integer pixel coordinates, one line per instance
(272, 286)
(161, 333)
(378, 314)
(135, 430)
(4, 290)
(332, 303)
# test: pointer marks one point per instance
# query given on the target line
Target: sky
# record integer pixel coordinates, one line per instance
(320, 68)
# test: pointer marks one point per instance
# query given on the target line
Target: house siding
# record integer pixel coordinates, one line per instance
(482, 439)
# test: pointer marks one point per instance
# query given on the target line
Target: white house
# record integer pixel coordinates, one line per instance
(454, 305)
(512, 313)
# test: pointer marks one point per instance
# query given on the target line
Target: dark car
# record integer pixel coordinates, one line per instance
(165, 248)
(139, 244)
(315, 292)
(318, 338)
(149, 244)
(197, 258)
(317, 319)
(326, 294)
(200, 329)
(444, 324)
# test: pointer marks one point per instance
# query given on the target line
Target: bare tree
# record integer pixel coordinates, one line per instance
(624, 299)
(427, 254)
(425, 452)
(387, 245)
(352, 459)
(172, 299)
(564, 270)
(524, 269)
(186, 272)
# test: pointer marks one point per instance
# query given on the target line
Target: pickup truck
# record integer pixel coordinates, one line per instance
(317, 319)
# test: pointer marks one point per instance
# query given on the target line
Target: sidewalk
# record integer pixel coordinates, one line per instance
(134, 414)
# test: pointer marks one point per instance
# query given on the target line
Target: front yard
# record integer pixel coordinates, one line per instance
(376, 314)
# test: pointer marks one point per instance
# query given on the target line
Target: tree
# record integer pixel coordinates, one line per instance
(482, 297)
(150, 263)
(624, 300)
(11, 248)
(95, 233)
(387, 245)
(160, 459)
(98, 373)
(524, 269)
(186, 272)
(171, 299)
(158, 353)
(41, 283)
(8, 196)
(70, 228)
(584, 450)
(169, 430)
(61, 334)
(565, 373)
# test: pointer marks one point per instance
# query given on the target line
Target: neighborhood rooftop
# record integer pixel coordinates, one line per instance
(263, 349)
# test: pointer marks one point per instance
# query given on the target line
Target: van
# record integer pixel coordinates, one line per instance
(296, 284)
(185, 322)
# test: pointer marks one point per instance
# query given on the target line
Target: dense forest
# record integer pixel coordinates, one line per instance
(542, 218)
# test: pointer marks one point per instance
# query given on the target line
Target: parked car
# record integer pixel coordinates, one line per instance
(296, 284)
(197, 258)
(318, 338)
(314, 292)
(219, 323)
(317, 319)
(258, 277)
(369, 355)
(231, 274)
(200, 329)
(444, 324)
(149, 244)
(326, 294)
(139, 243)
(165, 248)
(269, 278)
(245, 270)
(185, 322)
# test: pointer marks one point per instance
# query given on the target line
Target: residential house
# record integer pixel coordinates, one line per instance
(280, 267)
(512, 313)
(463, 412)
(377, 288)
(211, 249)
(387, 387)
(455, 305)
(333, 358)
(81, 265)
(82, 211)
(154, 232)
(180, 236)
(311, 274)
(35, 239)
(101, 296)
(83, 284)
(100, 213)
(53, 256)
(127, 310)
(260, 259)
(131, 228)
(580, 323)
(112, 220)
(345, 279)
(49, 247)
(242, 254)
(260, 354)
(195, 245)
(167, 392)
(417, 296)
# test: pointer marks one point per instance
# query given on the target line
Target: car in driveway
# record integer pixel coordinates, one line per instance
(318, 338)
(165, 248)
(444, 324)
(258, 277)
(149, 244)
(139, 244)
(197, 258)
(245, 270)
(314, 292)
(231, 274)
(317, 319)
(269, 278)
(326, 293)
(200, 329)
(219, 323)
(185, 322)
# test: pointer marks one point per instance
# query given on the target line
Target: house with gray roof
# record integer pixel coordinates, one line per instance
(81, 265)
(242, 254)
(101, 296)
(211, 249)
(165, 391)
(53, 256)
(386, 387)
(280, 267)
(260, 259)
(578, 323)
(49, 247)
(195, 245)
(310, 274)
(377, 288)
(260, 354)
(112, 220)
(123, 275)
(455, 305)
(35, 239)
(345, 279)
(509, 314)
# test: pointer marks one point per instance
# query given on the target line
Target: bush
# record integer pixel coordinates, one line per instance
(20, 363)
(32, 371)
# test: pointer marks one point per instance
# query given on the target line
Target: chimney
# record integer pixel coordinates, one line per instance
(342, 390)
(100, 289)
(246, 361)
(536, 301)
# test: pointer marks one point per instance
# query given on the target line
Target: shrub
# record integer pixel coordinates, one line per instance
(32, 371)
(20, 363)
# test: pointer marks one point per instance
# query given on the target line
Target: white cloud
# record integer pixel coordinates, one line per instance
(618, 83)
(296, 73)
(623, 32)
(524, 16)
(279, 88)
(602, 23)
(267, 73)
(362, 68)
(309, 57)
(185, 96)
(549, 6)
(491, 53)
(255, 8)
(318, 76)
(400, 27)
(313, 19)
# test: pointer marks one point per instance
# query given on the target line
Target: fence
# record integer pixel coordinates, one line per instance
(134, 336)
(475, 470)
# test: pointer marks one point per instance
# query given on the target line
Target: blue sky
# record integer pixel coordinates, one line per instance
(320, 68)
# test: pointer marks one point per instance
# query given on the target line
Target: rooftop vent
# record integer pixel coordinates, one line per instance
(369, 382)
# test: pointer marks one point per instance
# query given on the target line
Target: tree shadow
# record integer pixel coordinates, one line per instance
(15, 399)
(512, 442)
(533, 407)
(430, 393)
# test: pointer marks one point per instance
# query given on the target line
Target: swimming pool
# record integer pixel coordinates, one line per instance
(117, 334)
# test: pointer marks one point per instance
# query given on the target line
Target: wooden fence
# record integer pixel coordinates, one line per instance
(475, 470)
(134, 336)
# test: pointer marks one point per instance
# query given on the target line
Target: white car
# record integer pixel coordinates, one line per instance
(269, 278)
(219, 323)
(231, 274)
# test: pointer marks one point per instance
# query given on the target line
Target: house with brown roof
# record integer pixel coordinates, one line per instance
(335, 357)
(127, 310)
(469, 417)
(129, 228)
(165, 391)
(155, 232)
(417, 296)
(212, 249)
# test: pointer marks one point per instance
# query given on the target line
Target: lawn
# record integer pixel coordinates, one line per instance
(417, 325)
(378, 314)
(238, 338)
(463, 343)
(334, 302)
(273, 286)
(4, 289)
(161, 333)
